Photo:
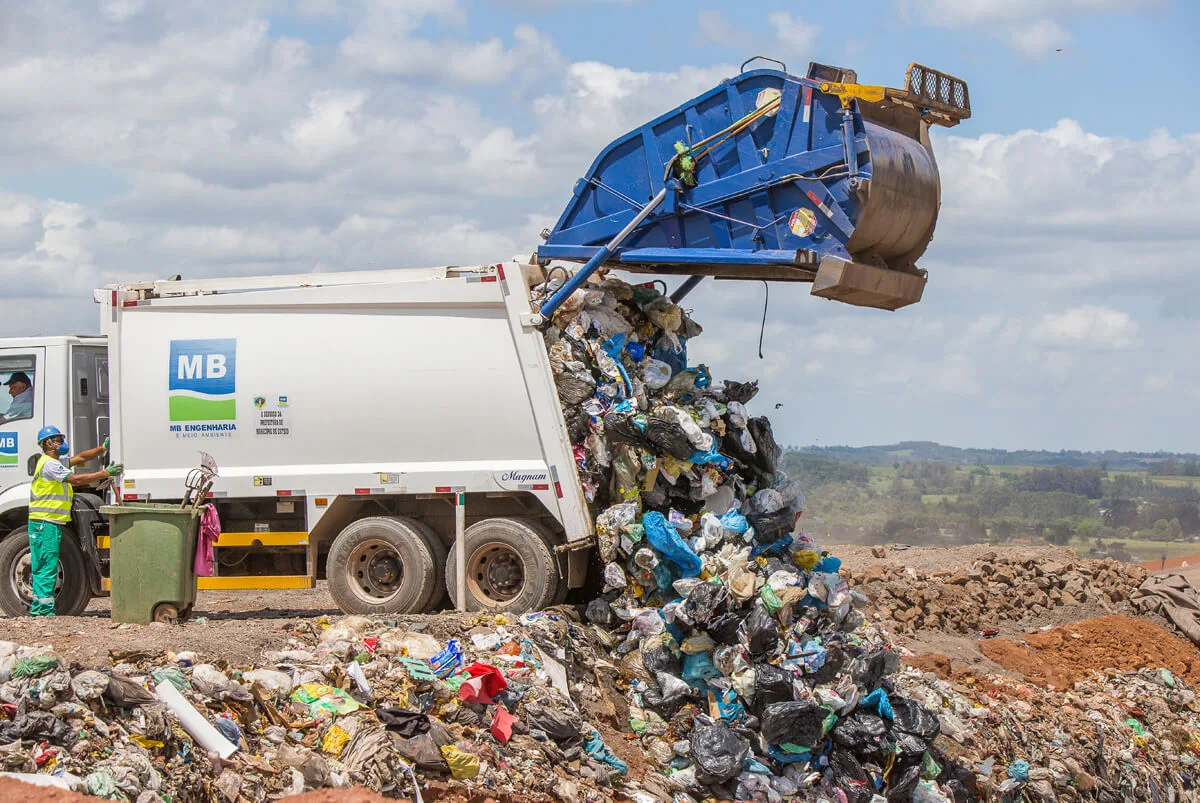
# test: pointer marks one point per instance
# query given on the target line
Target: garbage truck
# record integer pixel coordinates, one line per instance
(363, 425)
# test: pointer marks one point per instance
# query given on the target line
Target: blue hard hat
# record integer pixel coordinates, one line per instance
(48, 432)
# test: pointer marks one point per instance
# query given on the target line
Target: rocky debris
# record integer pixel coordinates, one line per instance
(992, 591)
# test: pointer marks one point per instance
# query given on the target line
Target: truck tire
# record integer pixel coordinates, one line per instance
(71, 592)
(438, 550)
(510, 567)
(381, 565)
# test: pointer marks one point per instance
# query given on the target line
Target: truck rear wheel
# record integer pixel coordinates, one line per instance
(381, 565)
(438, 550)
(71, 592)
(510, 566)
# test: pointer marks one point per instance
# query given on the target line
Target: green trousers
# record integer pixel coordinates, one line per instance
(44, 539)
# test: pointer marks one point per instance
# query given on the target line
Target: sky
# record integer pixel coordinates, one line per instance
(143, 139)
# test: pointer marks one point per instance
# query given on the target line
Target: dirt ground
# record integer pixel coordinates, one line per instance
(14, 791)
(239, 624)
(1064, 655)
(936, 558)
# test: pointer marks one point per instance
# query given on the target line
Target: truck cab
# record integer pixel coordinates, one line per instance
(60, 381)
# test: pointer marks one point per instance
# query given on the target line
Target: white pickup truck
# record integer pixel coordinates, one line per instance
(348, 414)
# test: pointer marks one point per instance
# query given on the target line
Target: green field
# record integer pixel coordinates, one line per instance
(1148, 550)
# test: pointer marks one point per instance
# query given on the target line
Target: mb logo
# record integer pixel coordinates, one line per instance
(203, 380)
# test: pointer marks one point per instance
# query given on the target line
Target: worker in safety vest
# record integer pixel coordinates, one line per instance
(50, 498)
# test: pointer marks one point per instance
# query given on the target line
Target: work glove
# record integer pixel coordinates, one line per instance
(106, 444)
(115, 469)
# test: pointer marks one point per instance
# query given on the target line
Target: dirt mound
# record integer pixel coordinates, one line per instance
(1062, 656)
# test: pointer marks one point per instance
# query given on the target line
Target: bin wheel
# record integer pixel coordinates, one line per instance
(186, 613)
(166, 613)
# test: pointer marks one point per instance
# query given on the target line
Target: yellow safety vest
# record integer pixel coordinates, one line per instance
(48, 500)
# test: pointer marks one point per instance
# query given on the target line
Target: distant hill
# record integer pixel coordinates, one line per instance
(917, 451)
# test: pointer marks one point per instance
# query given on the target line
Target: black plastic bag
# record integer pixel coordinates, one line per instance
(761, 633)
(771, 685)
(661, 659)
(125, 693)
(668, 438)
(963, 789)
(909, 746)
(421, 750)
(561, 727)
(912, 717)
(850, 777)
(578, 423)
(741, 392)
(654, 499)
(724, 628)
(795, 722)
(704, 601)
(903, 784)
(770, 527)
(718, 751)
(767, 456)
(863, 734)
(406, 723)
(834, 661)
(37, 726)
(619, 428)
(868, 669)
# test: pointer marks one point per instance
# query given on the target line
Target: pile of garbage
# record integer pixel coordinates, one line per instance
(752, 676)
(992, 591)
(1117, 736)
(355, 702)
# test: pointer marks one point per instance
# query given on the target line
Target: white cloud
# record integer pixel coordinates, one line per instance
(798, 36)
(1087, 327)
(1033, 28)
(787, 37)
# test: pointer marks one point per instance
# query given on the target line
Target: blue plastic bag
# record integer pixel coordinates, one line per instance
(879, 703)
(711, 457)
(614, 345)
(699, 666)
(636, 350)
(730, 707)
(597, 749)
(777, 547)
(786, 756)
(665, 352)
(828, 564)
(670, 545)
(735, 522)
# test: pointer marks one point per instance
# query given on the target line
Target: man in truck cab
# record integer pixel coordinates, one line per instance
(20, 388)
(50, 498)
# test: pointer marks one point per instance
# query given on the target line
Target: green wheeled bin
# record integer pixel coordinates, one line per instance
(152, 549)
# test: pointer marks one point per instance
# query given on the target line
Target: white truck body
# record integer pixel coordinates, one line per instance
(319, 393)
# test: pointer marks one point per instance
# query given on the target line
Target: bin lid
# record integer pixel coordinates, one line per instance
(158, 509)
